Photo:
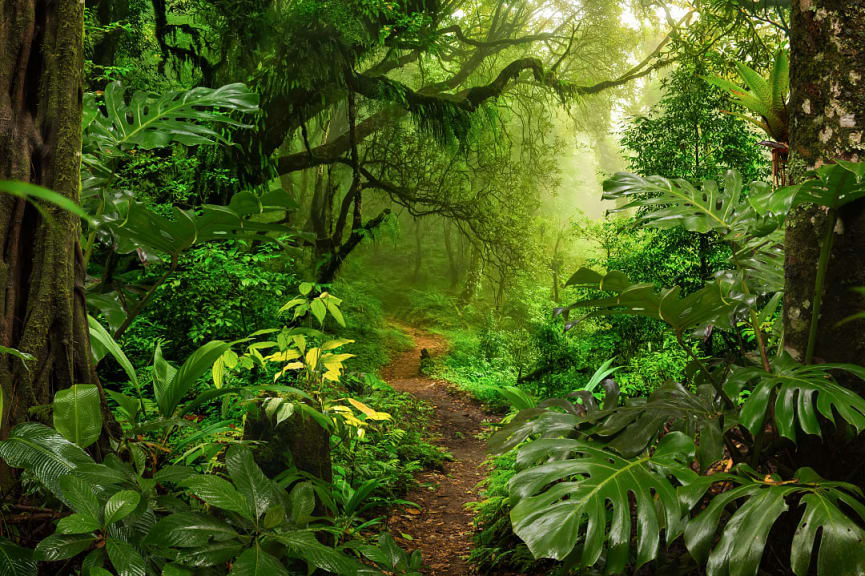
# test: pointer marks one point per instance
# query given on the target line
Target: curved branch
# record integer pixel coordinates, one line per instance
(383, 88)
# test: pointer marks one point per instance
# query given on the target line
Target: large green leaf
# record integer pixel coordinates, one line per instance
(62, 547)
(632, 428)
(835, 185)
(219, 492)
(120, 505)
(78, 413)
(678, 203)
(303, 544)
(15, 560)
(171, 385)
(213, 554)
(150, 122)
(715, 304)
(256, 562)
(45, 453)
(134, 226)
(556, 502)
(556, 417)
(740, 548)
(260, 492)
(189, 530)
(127, 561)
(78, 494)
(32, 192)
(102, 343)
(797, 389)
(389, 556)
(77, 524)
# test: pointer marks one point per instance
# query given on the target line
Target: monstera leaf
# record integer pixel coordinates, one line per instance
(834, 185)
(584, 492)
(632, 428)
(762, 262)
(797, 390)
(717, 303)
(678, 203)
(135, 227)
(147, 121)
(832, 510)
(554, 418)
(629, 429)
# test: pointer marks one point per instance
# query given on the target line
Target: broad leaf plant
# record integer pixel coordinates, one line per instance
(719, 462)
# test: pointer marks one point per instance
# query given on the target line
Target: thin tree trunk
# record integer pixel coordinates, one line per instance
(473, 278)
(105, 49)
(453, 266)
(42, 306)
(827, 123)
(418, 248)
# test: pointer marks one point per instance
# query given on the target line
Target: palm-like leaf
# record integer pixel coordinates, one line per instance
(554, 501)
(797, 390)
(43, 452)
(15, 560)
(779, 82)
(102, 343)
(766, 98)
(743, 536)
(171, 384)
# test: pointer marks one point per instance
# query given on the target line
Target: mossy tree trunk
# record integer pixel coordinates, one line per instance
(42, 306)
(827, 123)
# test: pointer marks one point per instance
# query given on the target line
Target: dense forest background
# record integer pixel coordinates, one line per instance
(626, 231)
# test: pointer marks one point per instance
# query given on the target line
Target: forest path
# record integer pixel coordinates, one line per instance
(443, 529)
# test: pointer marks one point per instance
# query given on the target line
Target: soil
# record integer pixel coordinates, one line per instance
(442, 529)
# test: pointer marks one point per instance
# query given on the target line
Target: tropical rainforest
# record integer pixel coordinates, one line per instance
(432, 287)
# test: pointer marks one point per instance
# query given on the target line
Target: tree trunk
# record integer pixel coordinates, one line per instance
(42, 307)
(473, 278)
(105, 49)
(299, 441)
(418, 249)
(827, 123)
(453, 265)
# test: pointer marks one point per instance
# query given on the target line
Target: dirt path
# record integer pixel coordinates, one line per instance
(443, 529)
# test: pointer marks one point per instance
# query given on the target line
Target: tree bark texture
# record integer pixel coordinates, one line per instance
(299, 441)
(827, 123)
(42, 306)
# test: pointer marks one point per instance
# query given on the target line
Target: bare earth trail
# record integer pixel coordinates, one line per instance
(443, 528)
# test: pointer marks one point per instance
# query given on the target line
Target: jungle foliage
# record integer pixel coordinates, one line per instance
(587, 200)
